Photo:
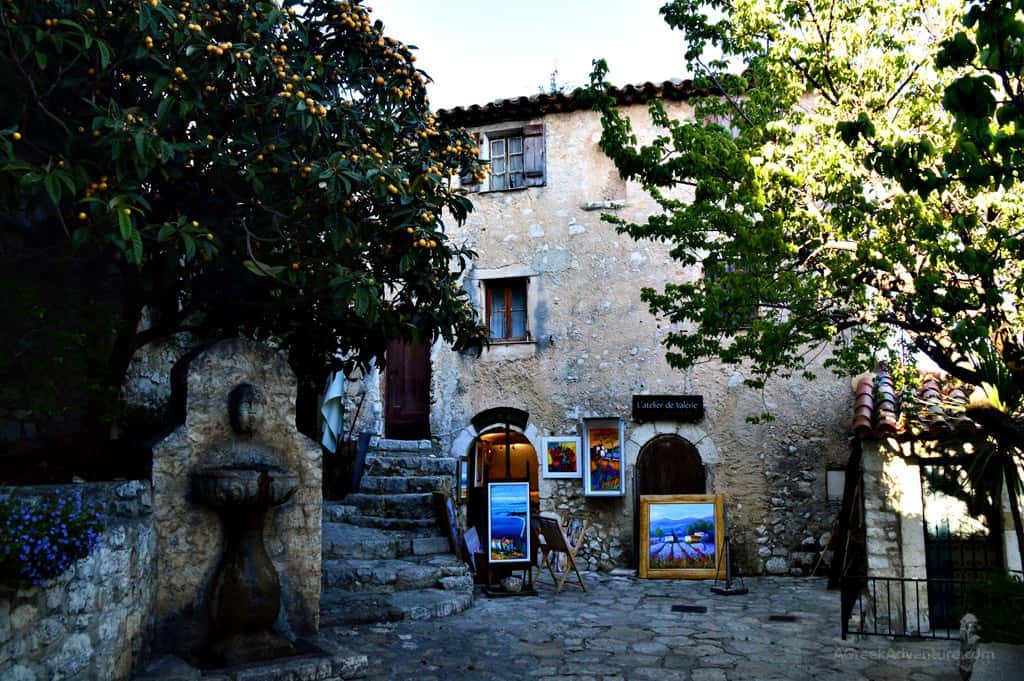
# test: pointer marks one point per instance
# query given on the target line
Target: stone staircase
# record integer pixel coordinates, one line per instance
(384, 557)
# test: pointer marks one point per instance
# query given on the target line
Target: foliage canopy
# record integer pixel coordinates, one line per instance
(848, 190)
(234, 167)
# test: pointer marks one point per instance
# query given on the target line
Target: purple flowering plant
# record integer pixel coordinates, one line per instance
(41, 538)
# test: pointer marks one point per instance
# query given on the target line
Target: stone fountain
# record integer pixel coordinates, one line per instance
(237, 505)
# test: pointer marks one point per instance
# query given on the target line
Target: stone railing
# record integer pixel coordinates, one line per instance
(91, 622)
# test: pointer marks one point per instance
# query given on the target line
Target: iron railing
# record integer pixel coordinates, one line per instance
(902, 607)
(906, 607)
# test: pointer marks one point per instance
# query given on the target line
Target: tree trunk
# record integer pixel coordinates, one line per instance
(1012, 479)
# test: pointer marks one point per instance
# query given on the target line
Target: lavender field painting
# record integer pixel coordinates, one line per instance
(681, 536)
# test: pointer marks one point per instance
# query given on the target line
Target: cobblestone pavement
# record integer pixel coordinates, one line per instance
(624, 629)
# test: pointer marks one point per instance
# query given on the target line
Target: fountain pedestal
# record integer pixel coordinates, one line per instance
(245, 593)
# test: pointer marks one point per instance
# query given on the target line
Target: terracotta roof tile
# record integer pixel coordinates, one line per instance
(518, 108)
(880, 410)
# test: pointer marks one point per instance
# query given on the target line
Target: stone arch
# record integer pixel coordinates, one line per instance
(463, 440)
(697, 436)
(669, 464)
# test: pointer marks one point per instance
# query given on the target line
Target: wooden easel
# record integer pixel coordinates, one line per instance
(555, 541)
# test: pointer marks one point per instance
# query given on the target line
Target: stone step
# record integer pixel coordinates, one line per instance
(392, 523)
(335, 511)
(408, 465)
(391, 447)
(377, 484)
(419, 505)
(425, 572)
(456, 583)
(342, 540)
(346, 608)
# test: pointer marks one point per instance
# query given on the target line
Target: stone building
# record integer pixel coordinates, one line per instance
(912, 532)
(571, 341)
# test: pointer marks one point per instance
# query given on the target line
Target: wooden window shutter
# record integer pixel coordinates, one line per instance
(534, 155)
(468, 181)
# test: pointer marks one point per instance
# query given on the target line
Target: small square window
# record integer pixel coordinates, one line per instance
(515, 158)
(507, 162)
(506, 309)
(745, 312)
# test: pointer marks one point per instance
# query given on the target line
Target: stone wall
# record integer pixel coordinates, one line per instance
(595, 344)
(91, 623)
(190, 535)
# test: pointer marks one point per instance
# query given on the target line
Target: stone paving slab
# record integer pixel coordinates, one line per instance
(623, 629)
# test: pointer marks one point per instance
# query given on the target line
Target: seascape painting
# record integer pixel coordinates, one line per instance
(603, 469)
(508, 512)
(681, 535)
(561, 457)
(463, 488)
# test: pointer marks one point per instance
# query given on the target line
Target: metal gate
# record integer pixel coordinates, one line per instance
(958, 549)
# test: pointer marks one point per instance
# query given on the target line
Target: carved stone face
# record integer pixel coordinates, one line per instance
(246, 408)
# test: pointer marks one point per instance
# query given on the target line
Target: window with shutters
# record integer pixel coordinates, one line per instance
(506, 309)
(507, 162)
(744, 311)
(515, 157)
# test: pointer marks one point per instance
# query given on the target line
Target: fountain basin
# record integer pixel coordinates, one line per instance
(236, 485)
(245, 593)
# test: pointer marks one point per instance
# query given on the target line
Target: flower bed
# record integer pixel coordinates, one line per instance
(41, 537)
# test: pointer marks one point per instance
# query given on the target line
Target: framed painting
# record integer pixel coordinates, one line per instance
(462, 480)
(561, 457)
(508, 521)
(473, 547)
(682, 536)
(449, 521)
(603, 465)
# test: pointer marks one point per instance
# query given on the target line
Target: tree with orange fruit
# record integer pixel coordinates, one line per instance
(234, 168)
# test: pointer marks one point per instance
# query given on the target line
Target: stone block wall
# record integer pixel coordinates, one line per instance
(91, 623)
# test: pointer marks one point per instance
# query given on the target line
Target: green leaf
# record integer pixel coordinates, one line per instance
(41, 60)
(52, 184)
(104, 53)
(190, 245)
(136, 242)
(261, 270)
(124, 222)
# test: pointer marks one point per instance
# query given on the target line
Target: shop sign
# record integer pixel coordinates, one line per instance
(668, 407)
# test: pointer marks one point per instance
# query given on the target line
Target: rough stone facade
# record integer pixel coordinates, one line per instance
(593, 345)
(190, 535)
(92, 622)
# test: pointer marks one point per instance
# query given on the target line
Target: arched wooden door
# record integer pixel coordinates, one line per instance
(667, 464)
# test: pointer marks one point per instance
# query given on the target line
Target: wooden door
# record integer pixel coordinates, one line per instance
(407, 391)
(667, 464)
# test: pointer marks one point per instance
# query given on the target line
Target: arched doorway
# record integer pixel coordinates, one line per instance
(666, 464)
(501, 450)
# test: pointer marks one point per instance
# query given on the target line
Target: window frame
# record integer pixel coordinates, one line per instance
(741, 323)
(506, 157)
(506, 285)
(532, 151)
